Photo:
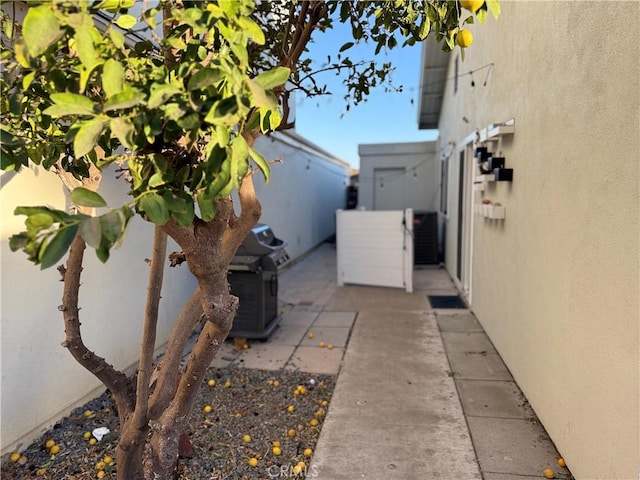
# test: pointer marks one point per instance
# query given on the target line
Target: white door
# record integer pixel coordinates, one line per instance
(467, 171)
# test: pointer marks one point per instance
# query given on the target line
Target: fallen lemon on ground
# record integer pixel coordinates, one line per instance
(276, 383)
(14, 457)
(313, 422)
(107, 460)
(307, 452)
(561, 462)
(100, 466)
(471, 5)
(291, 409)
(100, 474)
(41, 472)
(207, 409)
(253, 462)
(548, 473)
(55, 449)
(464, 38)
(276, 451)
(292, 433)
(86, 435)
(310, 335)
(88, 413)
(321, 344)
(324, 403)
(93, 441)
(276, 443)
(49, 443)
(246, 439)
(299, 467)
(330, 347)
(227, 383)
(211, 383)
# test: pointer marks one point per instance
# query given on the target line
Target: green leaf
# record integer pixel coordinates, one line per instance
(346, 46)
(112, 77)
(111, 225)
(494, 8)
(116, 37)
(274, 77)
(160, 93)
(91, 231)
(87, 136)
(155, 208)
(55, 249)
(127, 99)
(70, 104)
(126, 21)
(84, 45)
(207, 206)
(18, 241)
(425, 27)
(123, 129)
(239, 156)
(252, 30)
(185, 219)
(40, 29)
(222, 112)
(205, 77)
(38, 221)
(175, 203)
(262, 164)
(87, 198)
(57, 215)
(262, 98)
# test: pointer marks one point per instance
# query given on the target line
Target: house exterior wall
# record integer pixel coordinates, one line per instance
(408, 171)
(555, 284)
(41, 382)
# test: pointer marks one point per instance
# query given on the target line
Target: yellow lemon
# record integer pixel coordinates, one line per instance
(292, 433)
(321, 344)
(88, 413)
(324, 403)
(307, 452)
(41, 472)
(86, 435)
(548, 473)
(100, 474)
(246, 439)
(49, 443)
(464, 38)
(330, 346)
(291, 409)
(207, 409)
(253, 462)
(310, 335)
(276, 383)
(276, 443)
(107, 460)
(100, 466)
(561, 462)
(471, 5)
(55, 449)
(313, 422)
(93, 441)
(227, 383)
(276, 451)
(14, 457)
(211, 383)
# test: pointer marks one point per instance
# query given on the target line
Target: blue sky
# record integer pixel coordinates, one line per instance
(384, 118)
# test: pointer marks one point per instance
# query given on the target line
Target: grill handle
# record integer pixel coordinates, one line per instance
(273, 284)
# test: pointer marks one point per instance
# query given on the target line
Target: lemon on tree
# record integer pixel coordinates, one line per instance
(471, 5)
(464, 38)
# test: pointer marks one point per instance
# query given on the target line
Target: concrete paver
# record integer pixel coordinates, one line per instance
(265, 356)
(480, 366)
(512, 446)
(467, 342)
(288, 335)
(316, 360)
(459, 322)
(336, 336)
(335, 319)
(298, 318)
(489, 398)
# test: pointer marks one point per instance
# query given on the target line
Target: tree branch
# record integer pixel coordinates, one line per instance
(114, 380)
(156, 274)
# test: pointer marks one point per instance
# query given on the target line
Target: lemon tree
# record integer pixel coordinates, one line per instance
(173, 95)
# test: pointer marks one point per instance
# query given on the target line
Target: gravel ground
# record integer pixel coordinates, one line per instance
(243, 401)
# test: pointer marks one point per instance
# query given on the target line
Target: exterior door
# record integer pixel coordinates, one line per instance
(465, 220)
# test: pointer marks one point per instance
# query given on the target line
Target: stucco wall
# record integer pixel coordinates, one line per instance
(415, 186)
(304, 192)
(556, 284)
(41, 382)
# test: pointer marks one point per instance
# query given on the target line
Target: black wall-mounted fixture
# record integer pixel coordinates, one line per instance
(503, 174)
(496, 162)
(482, 154)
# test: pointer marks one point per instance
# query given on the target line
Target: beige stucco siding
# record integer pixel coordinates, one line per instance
(556, 284)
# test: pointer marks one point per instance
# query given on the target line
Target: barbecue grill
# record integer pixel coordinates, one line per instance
(253, 278)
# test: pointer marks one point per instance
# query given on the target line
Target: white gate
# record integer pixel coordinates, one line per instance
(375, 248)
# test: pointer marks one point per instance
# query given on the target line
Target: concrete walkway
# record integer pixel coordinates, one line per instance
(421, 393)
